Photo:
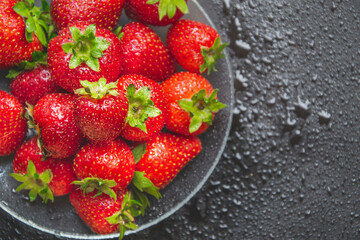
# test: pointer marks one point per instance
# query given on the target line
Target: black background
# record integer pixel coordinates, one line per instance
(291, 166)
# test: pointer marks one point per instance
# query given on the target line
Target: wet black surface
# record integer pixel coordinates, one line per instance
(291, 169)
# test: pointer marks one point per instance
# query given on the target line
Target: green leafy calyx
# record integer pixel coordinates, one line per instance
(118, 32)
(37, 20)
(143, 184)
(211, 55)
(125, 218)
(169, 7)
(36, 182)
(86, 48)
(201, 108)
(29, 115)
(100, 185)
(141, 107)
(139, 152)
(38, 59)
(97, 90)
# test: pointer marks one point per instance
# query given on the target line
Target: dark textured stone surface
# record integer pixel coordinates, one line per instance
(291, 169)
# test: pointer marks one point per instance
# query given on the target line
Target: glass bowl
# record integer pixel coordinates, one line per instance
(60, 219)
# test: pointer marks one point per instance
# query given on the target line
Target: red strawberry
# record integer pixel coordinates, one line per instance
(100, 111)
(99, 164)
(47, 178)
(195, 46)
(33, 83)
(156, 12)
(147, 111)
(18, 40)
(12, 124)
(191, 103)
(104, 14)
(56, 125)
(144, 53)
(166, 154)
(103, 214)
(84, 52)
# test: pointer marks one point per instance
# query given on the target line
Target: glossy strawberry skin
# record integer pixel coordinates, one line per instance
(111, 160)
(60, 135)
(63, 174)
(94, 210)
(183, 85)
(14, 47)
(144, 53)
(153, 125)
(148, 13)
(166, 154)
(69, 79)
(31, 85)
(101, 119)
(13, 125)
(185, 39)
(65, 12)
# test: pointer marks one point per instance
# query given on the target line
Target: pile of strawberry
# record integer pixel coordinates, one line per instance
(114, 119)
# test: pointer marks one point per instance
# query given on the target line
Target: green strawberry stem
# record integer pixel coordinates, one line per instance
(125, 217)
(100, 185)
(141, 107)
(86, 48)
(118, 32)
(169, 7)
(35, 182)
(37, 20)
(139, 152)
(211, 55)
(140, 183)
(97, 90)
(29, 111)
(143, 184)
(201, 108)
(38, 59)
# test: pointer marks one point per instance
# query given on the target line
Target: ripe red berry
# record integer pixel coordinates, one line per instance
(47, 177)
(104, 14)
(54, 120)
(147, 109)
(17, 39)
(156, 12)
(31, 85)
(109, 160)
(195, 45)
(84, 52)
(100, 110)
(144, 53)
(166, 154)
(13, 126)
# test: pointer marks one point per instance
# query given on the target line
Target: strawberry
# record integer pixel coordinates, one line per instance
(195, 45)
(165, 155)
(54, 120)
(156, 12)
(144, 53)
(104, 214)
(146, 114)
(100, 111)
(19, 40)
(191, 103)
(32, 80)
(106, 166)
(46, 178)
(84, 52)
(104, 14)
(13, 126)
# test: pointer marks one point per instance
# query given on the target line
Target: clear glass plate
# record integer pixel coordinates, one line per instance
(60, 219)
